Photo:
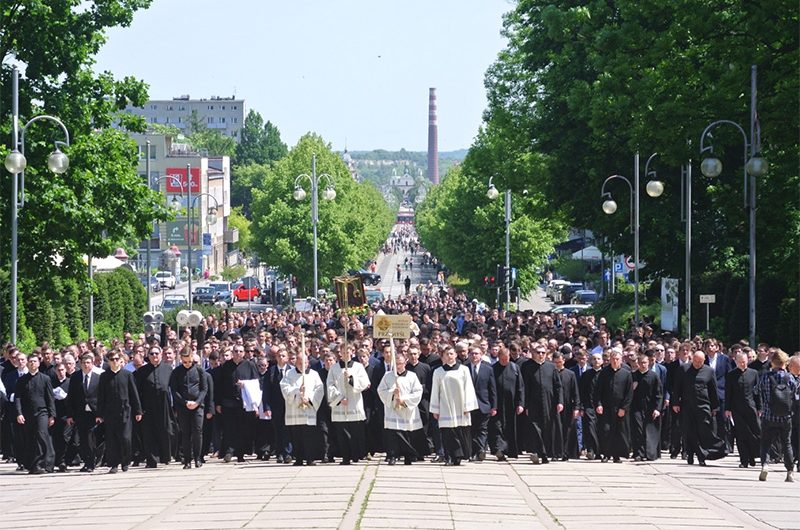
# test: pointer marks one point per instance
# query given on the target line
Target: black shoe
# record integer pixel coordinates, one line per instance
(37, 471)
(500, 455)
(113, 470)
(344, 463)
(228, 457)
(545, 460)
(590, 455)
(240, 459)
(310, 463)
(564, 458)
(637, 458)
(20, 467)
(481, 456)
(85, 469)
(187, 465)
(617, 460)
(456, 461)
(673, 456)
(124, 469)
(604, 459)
(690, 459)
(331, 460)
(392, 461)
(298, 463)
(62, 468)
(198, 463)
(151, 465)
(407, 461)
(701, 462)
(742, 466)
(287, 460)
(279, 459)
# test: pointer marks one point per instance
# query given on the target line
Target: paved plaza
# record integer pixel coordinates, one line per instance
(667, 494)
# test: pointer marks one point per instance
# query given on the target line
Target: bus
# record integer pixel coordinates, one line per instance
(405, 215)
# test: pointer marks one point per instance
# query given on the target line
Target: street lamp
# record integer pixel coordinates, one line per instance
(16, 163)
(755, 167)
(328, 194)
(492, 193)
(211, 218)
(175, 204)
(654, 188)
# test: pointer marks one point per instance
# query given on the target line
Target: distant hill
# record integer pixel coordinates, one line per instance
(379, 165)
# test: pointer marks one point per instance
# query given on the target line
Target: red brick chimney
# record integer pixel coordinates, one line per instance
(433, 139)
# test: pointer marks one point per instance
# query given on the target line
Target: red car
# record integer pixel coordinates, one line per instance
(242, 293)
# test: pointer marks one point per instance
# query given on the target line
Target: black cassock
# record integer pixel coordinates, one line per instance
(614, 391)
(586, 386)
(35, 401)
(419, 438)
(567, 446)
(152, 383)
(743, 400)
(542, 394)
(510, 395)
(646, 431)
(697, 397)
(117, 403)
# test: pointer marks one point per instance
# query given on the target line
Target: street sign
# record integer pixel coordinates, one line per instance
(708, 299)
(629, 263)
(607, 275)
(391, 327)
(617, 266)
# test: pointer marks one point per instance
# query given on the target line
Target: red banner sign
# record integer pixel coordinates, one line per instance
(180, 173)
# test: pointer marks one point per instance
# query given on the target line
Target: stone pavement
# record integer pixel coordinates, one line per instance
(667, 494)
(387, 264)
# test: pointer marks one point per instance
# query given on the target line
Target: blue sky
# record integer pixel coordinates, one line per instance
(355, 71)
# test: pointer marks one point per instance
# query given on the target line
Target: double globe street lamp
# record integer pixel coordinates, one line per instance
(16, 163)
(654, 188)
(492, 193)
(328, 194)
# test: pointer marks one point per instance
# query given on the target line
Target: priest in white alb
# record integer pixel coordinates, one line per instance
(303, 391)
(452, 399)
(347, 379)
(401, 393)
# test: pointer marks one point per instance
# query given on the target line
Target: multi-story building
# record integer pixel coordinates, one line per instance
(220, 113)
(210, 177)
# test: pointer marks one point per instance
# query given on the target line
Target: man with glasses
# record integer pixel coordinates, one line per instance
(188, 386)
(82, 408)
(152, 383)
(117, 400)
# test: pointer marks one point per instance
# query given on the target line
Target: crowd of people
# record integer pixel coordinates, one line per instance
(315, 387)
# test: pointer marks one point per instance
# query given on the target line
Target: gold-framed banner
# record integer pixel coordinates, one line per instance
(350, 293)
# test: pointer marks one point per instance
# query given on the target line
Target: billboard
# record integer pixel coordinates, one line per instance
(180, 173)
(177, 232)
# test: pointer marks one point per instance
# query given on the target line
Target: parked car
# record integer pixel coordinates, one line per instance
(373, 296)
(564, 294)
(245, 291)
(367, 277)
(155, 285)
(204, 295)
(584, 296)
(166, 279)
(249, 281)
(551, 287)
(223, 291)
(570, 309)
(173, 301)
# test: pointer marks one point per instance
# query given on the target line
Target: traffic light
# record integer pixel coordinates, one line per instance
(501, 275)
(152, 322)
(490, 282)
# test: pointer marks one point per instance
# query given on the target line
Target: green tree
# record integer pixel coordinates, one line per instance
(237, 220)
(244, 179)
(260, 143)
(351, 228)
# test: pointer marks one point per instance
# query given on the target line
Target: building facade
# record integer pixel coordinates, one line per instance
(219, 113)
(210, 177)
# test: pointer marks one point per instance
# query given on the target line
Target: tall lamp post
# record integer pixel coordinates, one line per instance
(492, 194)
(211, 218)
(175, 205)
(329, 194)
(754, 167)
(654, 188)
(16, 163)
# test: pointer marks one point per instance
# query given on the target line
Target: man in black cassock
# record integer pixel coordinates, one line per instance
(152, 383)
(742, 403)
(612, 402)
(62, 431)
(510, 401)
(586, 389)
(567, 446)
(188, 386)
(264, 433)
(675, 370)
(424, 373)
(544, 402)
(117, 399)
(273, 401)
(36, 412)
(238, 425)
(646, 407)
(697, 402)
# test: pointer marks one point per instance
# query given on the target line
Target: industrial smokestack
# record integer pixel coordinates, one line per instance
(433, 139)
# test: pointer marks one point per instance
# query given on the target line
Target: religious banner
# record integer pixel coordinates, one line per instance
(350, 294)
(391, 326)
(669, 304)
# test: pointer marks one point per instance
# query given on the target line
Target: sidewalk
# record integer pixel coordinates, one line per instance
(387, 264)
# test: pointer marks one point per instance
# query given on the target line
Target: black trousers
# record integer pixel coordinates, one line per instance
(156, 441)
(264, 438)
(615, 434)
(304, 438)
(456, 442)
(87, 437)
(231, 417)
(771, 431)
(479, 431)
(401, 444)
(118, 441)
(747, 431)
(38, 449)
(281, 447)
(351, 439)
(191, 428)
(568, 439)
(61, 434)
(591, 440)
(676, 436)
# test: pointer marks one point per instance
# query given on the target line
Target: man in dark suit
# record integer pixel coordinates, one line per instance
(424, 373)
(486, 392)
(117, 401)
(721, 364)
(61, 431)
(82, 408)
(12, 433)
(274, 401)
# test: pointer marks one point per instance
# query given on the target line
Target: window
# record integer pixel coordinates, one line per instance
(210, 119)
(180, 120)
(152, 152)
(153, 107)
(181, 108)
(166, 120)
(154, 119)
(211, 107)
(234, 133)
(223, 107)
(235, 120)
(222, 120)
(169, 107)
(235, 107)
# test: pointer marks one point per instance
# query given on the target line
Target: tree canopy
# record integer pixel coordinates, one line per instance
(259, 142)
(351, 228)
